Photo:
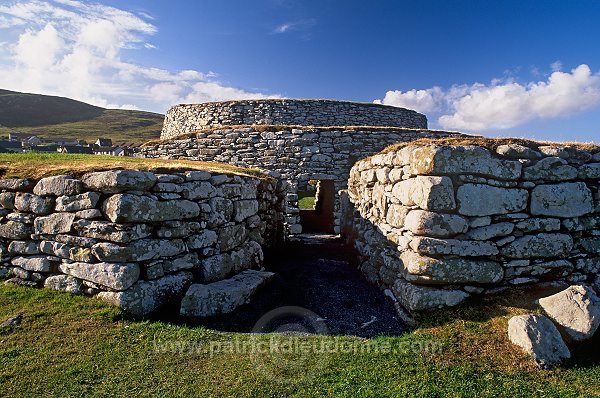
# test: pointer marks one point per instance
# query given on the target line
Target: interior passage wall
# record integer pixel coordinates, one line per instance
(135, 239)
(188, 118)
(296, 155)
(438, 223)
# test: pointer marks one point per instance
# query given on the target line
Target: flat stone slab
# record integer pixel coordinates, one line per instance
(422, 298)
(119, 181)
(576, 310)
(224, 296)
(113, 276)
(485, 200)
(570, 199)
(538, 337)
(135, 208)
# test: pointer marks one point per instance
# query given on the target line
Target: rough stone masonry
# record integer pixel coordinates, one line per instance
(439, 223)
(141, 240)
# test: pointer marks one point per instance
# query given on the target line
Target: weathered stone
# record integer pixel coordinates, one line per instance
(33, 203)
(421, 298)
(591, 245)
(588, 265)
(491, 231)
(573, 155)
(114, 181)
(244, 209)
(88, 214)
(465, 248)
(462, 160)
(15, 230)
(114, 276)
(15, 184)
(24, 218)
(33, 263)
(204, 239)
(540, 245)
(539, 225)
(188, 261)
(84, 201)
(58, 186)
(57, 223)
(221, 211)
(231, 237)
(215, 268)
(582, 223)
(546, 270)
(433, 193)
(178, 229)
(75, 240)
(422, 269)
(485, 200)
(576, 310)
(224, 296)
(516, 151)
(562, 200)
(145, 297)
(550, 169)
(590, 171)
(396, 214)
(139, 250)
(121, 233)
(64, 283)
(421, 222)
(23, 247)
(538, 337)
(198, 190)
(7, 200)
(133, 208)
(476, 222)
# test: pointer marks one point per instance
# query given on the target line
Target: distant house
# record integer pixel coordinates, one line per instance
(104, 142)
(102, 150)
(75, 149)
(43, 148)
(16, 136)
(31, 141)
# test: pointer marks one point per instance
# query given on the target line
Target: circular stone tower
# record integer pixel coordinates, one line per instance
(188, 118)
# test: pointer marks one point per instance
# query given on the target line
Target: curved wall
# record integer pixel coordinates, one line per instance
(188, 118)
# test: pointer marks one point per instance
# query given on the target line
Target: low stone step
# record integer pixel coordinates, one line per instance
(223, 296)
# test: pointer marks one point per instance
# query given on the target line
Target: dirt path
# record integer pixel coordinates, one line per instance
(315, 272)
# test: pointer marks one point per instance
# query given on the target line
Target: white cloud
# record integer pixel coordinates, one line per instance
(74, 49)
(505, 104)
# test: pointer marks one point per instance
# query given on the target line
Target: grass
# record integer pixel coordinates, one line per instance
(306, 201)
(116, 124)
(77, 346)
(38, 165)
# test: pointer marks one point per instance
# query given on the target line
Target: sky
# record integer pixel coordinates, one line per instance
(496, 68)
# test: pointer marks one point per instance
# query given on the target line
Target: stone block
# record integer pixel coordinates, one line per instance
(58, 186)
(562, 200)
(114, 276)
(542, 245)
(134, 208)
(114, 181)
(485, 200)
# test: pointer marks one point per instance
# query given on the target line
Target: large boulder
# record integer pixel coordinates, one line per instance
(485, 200)
(538, 336)
(134, 208)
(114, 276)
(119, 181)
(145, 297)
(576, 310)
(570, 199)
(224, 296)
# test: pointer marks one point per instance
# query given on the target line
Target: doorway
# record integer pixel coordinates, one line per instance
(319, 217)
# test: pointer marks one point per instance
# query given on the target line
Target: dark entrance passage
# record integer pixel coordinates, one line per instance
(316, 272)
(319, 219)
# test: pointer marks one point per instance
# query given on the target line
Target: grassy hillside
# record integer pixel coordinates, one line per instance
(49, 117)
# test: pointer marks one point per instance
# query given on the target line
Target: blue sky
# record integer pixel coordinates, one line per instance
(497, 68)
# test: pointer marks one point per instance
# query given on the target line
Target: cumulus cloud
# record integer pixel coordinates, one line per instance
(505, 104)
(74, 49)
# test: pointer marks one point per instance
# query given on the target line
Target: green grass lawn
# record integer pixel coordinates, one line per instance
(306, 201)
(76, 346)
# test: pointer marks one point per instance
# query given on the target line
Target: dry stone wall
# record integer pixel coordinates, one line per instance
(139, 239)
(437, 224)
(188, 118)
(294, 155)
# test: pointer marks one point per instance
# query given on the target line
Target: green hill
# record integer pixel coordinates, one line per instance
(49, 116)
